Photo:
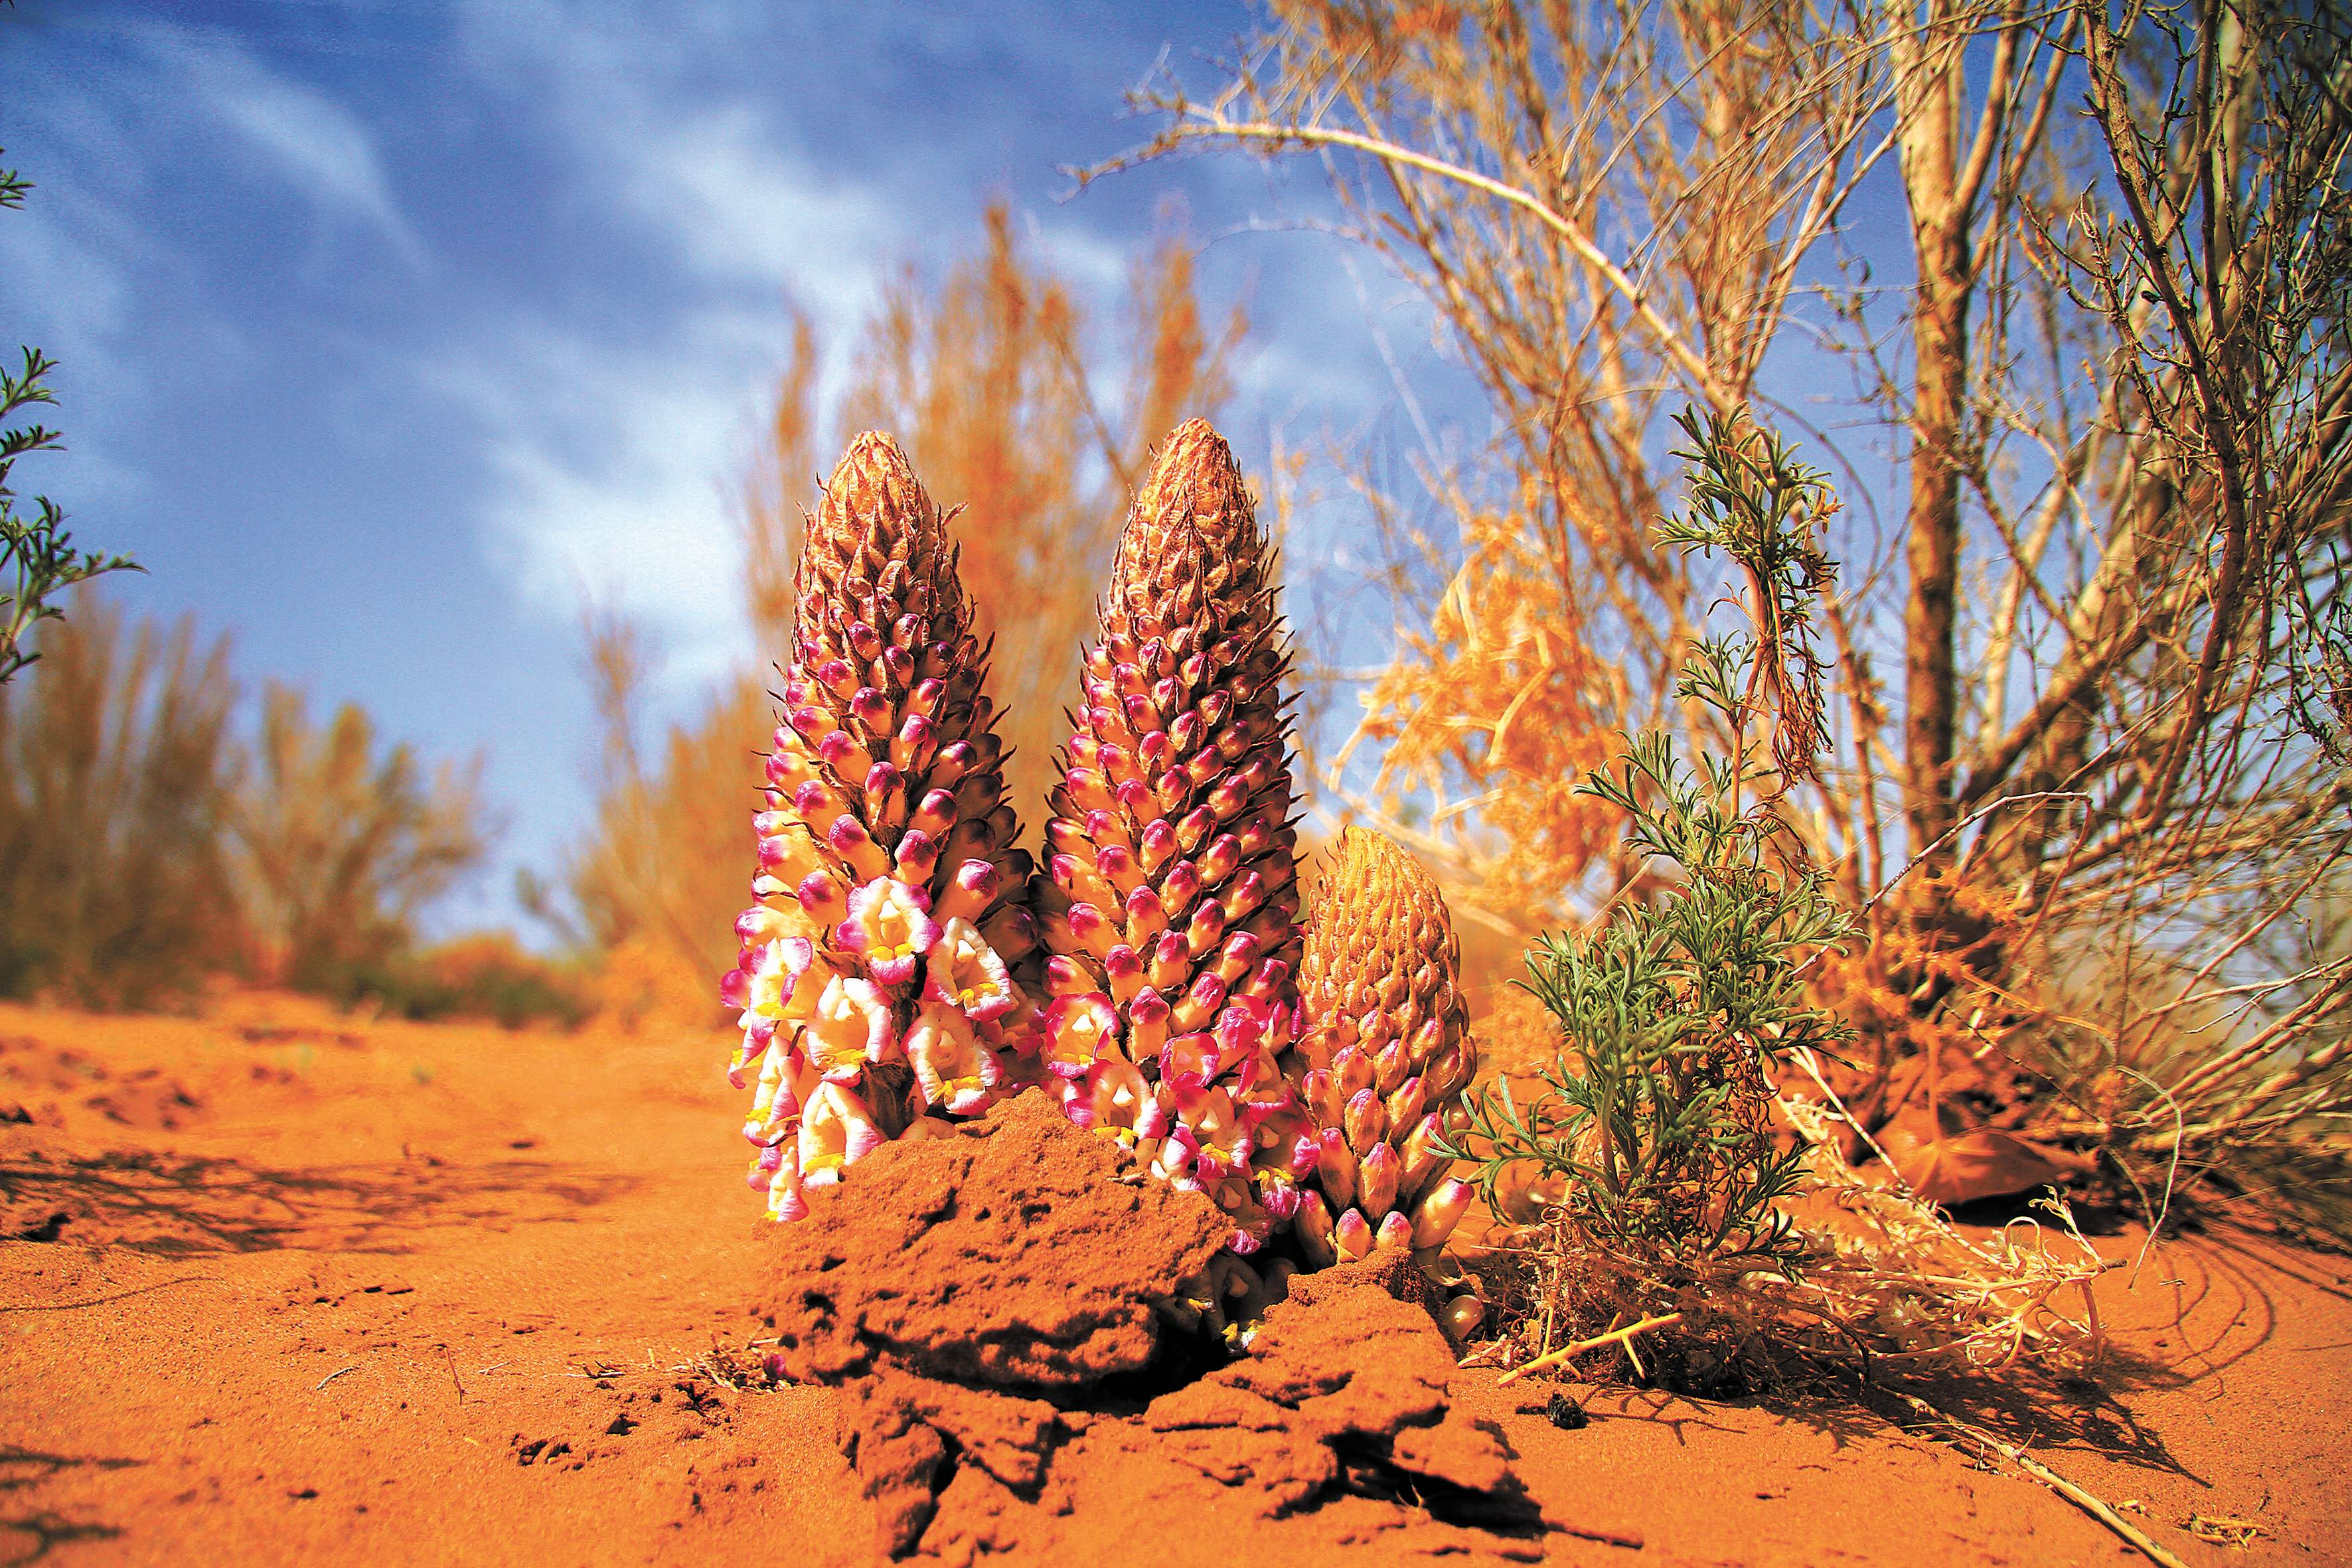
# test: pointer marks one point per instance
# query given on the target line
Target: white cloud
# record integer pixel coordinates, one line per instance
(722, 184)
(307, 139)
(611, 473)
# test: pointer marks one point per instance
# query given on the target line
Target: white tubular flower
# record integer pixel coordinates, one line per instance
(836, 1130)
(966, 973)
(955, 1070)
(850, 1029)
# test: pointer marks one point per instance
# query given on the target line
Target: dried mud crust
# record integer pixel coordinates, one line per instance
(989, 1305)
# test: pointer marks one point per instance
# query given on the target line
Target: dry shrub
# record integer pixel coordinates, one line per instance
(118, 778)
(2088, 719)
(659, 880)
(145, 843)
(988, 379)
(339, 846)
(486, 976)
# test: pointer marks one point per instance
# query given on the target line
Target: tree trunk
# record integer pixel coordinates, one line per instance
(1928, 96)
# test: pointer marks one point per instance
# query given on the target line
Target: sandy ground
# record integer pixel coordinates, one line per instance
(287, 1287)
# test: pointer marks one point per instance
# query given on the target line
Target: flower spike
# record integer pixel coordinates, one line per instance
(1168, 898)
(881, 978)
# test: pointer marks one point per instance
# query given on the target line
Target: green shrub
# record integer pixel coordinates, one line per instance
(1674, 1013)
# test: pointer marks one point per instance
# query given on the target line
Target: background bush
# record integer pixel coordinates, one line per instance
(149, 841)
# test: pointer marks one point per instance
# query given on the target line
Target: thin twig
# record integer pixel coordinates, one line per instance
(333, 1376)
(2051, 1478)
(1614, 1336)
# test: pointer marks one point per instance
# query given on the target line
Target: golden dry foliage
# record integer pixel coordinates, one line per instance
(989, 380)
(117, 768)
(339, 846)
(658, 880)
(1492, 712)
(1486, 151)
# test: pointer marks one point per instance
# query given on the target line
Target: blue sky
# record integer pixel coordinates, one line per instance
(391, 331)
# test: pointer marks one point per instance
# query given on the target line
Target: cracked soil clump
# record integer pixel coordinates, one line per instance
(990, 1305)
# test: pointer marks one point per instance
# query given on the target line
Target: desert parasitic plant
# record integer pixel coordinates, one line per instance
(886, 977)
(1168, 900)
(1383, 1055)
(878, 979)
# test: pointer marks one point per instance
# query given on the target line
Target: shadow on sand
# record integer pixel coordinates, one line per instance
(178, 1205)
(30, 1537)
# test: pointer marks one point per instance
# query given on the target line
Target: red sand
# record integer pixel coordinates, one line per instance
(309, 1290)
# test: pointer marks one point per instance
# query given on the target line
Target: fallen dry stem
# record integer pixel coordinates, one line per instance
(1614, 1336)
(2040, 1472)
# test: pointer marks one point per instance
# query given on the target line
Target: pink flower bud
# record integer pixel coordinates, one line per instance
(1169, 962)
(1245, 895)
(1335, 1164)
(837, 751)
(1220, 858)
(1422, 1160)
(1124, 970)
(1196, 826)
(1206, 928)
(915, 859)
(1147, 1025)
(1405, 1106)
(822, 898)
(975, 885)
(886, 796)
(1375, 1181)
(1366, 1120)
(1115, 863)
(1157, 846)
(1180, 887)
(1067, 976)
(1440, 1213)
(935, 814)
